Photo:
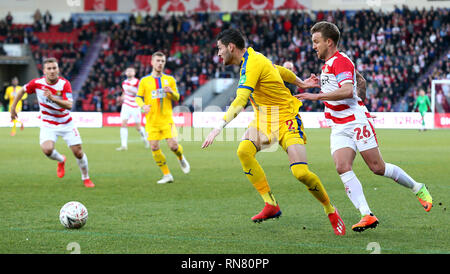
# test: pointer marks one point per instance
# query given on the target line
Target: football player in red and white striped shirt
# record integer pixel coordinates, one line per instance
(351, 124)
(130, 109)
(54, 94)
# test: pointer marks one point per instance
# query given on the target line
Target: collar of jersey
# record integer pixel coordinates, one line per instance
(247, 52)
(336, 53)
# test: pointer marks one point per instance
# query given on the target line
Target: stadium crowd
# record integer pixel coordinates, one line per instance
(391, 49)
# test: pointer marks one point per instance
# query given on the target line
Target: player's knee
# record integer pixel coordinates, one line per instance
(300, 171)
(173, 147)
(246, 150)
(154, 147)
(377, 168)
(78, 153)
(342, 168)
(47, 151)
(243, 154)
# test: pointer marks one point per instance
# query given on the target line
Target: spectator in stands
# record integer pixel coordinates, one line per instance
(3, 102)
(9, 19)
(37, 16)
(3, 28)
(96, 100)
(2, 50)
(47, 20)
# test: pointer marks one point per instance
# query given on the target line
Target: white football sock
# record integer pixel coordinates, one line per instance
(56, 156)
(354, 191)
(401, 177)
(124, 136)
(83, 164)
(143, 133)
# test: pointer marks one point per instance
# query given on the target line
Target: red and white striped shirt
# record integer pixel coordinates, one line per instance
(130, 89)
(51, 114)
(338, 70)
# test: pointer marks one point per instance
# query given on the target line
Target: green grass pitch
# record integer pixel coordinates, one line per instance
(208, 211)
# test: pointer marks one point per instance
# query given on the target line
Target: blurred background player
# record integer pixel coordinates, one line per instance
(292, 88)
(276, 119)
(130, 109)
(54, 95)
(423, 104)
(351, 126)
(10, 94)
(155, 95)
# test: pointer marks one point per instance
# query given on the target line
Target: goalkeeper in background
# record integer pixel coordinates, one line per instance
(423, 104)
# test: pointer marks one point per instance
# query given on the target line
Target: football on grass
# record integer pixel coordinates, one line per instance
(73, 215)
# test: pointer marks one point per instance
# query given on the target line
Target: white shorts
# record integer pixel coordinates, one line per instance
(128, 112)
(69, 133)
(357, 136)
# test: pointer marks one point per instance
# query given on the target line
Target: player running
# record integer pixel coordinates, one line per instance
(276, 119)
(54, 95)
(10, 94)
(423, 102)
(130, 109)
(155, 95)
(351, 126)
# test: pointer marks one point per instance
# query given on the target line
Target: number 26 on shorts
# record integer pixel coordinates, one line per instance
(362, 132)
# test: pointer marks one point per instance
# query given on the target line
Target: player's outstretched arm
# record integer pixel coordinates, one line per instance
(344, 92)
(235, 108)
(288, 76)
(311, 82)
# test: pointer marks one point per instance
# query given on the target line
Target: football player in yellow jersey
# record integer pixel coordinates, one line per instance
(155, 95)
(276, 120)
(10, 94)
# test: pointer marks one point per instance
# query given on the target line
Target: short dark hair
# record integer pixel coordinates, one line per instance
(159, 53)
(328, 31)
(49, 60)
(232, 36)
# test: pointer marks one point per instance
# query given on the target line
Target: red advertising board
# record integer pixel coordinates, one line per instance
(100, 5)
(112, 119)
(255, 4)
(442, 120)
(271, 4)
(186, 5)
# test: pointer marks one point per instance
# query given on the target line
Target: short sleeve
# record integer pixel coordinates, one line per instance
(173, 85)
(30, 87)
(344, 70)
(67, 91)
(141, 88)
(250, 73)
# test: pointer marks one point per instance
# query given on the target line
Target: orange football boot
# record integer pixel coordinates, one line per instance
(88, 183)
(60, 171)
(367, 221)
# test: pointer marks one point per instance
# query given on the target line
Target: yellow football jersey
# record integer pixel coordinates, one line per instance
(10, 94)
(262, 82)
(151, 92)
